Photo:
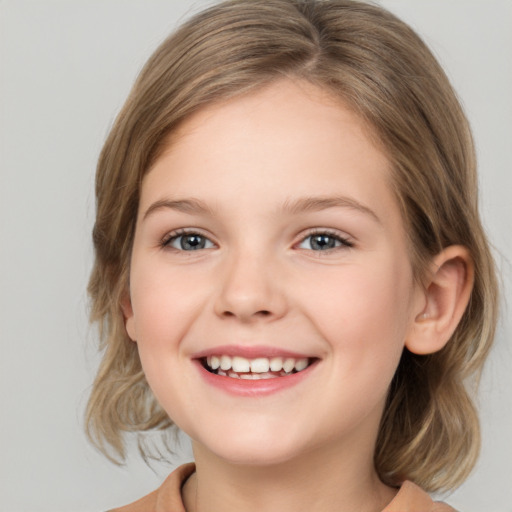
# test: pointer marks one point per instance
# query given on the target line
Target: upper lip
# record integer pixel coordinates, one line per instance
(249, 352)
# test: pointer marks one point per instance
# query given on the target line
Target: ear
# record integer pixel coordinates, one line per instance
(129, 319)
(446, 297)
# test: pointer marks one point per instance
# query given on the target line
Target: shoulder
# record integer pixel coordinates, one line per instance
(147, 504)
(168, 494)
(442, 507)
(411, 498)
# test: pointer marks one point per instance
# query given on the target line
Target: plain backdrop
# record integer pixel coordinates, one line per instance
(65, 69)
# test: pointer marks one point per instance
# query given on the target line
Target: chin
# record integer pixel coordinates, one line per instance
(253, 450)
(257, 457)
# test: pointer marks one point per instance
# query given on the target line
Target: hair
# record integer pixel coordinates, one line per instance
(380, 68)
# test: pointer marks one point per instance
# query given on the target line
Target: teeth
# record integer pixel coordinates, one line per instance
(259, 368)
(276, 364)
(240, 364)
(225, 363)
(256, 376)
(288, 365)
(260, 365)
(301, 364)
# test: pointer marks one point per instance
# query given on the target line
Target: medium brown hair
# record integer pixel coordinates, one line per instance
(378, 66)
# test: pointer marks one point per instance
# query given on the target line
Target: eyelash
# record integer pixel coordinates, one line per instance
(175, 235)
(344, 243)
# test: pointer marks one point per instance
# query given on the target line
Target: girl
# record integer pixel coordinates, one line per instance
(290, 265)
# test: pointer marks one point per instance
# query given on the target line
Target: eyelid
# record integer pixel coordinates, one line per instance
(346, 240)
(176, 233)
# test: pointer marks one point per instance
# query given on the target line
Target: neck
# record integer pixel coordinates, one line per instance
(327, 480)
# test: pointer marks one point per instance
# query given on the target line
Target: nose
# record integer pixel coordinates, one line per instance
(250, 289)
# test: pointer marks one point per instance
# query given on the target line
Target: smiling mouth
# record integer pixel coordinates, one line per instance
(255, 369)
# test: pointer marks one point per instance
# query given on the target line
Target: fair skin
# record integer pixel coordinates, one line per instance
(267, 231)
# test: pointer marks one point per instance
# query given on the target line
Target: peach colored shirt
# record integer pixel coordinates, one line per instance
(167, 498)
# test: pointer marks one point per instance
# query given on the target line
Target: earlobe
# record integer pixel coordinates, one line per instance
(447, 295)
(129, 320)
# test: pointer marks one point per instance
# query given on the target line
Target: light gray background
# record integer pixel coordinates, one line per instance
(65, 69)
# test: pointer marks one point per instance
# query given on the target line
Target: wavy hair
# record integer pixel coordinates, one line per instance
(377, 65)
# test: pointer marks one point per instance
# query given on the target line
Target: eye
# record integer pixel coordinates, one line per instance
(188, 242)
(323, 241)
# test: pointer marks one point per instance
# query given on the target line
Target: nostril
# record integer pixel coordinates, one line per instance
(261, 313)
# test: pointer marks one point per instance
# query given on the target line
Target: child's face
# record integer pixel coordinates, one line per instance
(268, 231)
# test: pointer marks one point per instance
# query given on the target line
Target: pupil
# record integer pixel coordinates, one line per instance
(192, 242)
(320, 242)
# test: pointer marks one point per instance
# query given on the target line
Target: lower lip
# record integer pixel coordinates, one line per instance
(254, 388)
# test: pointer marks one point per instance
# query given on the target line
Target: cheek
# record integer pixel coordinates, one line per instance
(164, 304)
(364, 315)
(162, 314)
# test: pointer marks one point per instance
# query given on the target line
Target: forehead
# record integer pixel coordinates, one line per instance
(291, 138)
(296, 100)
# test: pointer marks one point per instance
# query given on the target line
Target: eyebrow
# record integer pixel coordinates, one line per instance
(301, 205)
(192, 206)
(314, 204)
